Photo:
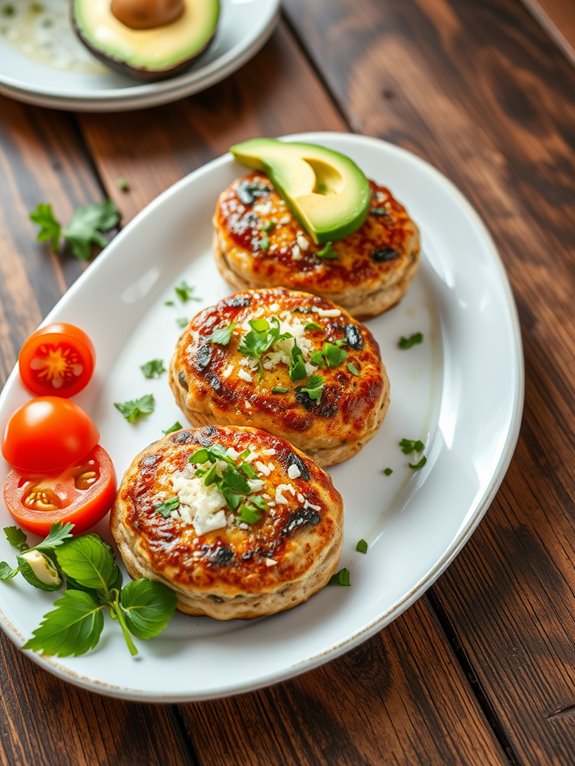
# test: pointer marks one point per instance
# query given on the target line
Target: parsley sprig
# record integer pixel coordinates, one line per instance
(261, 339)
(93, 581)
(83, 233)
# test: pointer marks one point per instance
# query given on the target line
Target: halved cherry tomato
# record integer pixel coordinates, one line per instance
(57, 360)
(48, 434)
(82, 494)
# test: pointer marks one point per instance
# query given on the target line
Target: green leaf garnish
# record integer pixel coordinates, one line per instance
(7, 572)
(352, 368)
(340, 578)
(296, 368)
(16, 538)
(260, 339)
(361, 546)
(89, 561)
(28, 572)
(327, 253)
(313, 326)
(57, 535)
(147, 606)
(419, 465)
(269, 226)
(122, 184)
(387, 471)
(50, 227)
(135, 409)
(222, 336)
(177, 426)
(184, 291)
(169, 303)
(412, 340)
(280, 390)
(72, 628)
(153, 369)
(166, 508)
(378, 211)
(411, 445)
(330, 355)
(182, 322)
(84, 232)
(264, 244)
(314, 387)
(249, 514)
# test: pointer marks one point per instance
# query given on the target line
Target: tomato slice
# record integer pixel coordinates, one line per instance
(48, 434)
(81, 494)
(57, 360)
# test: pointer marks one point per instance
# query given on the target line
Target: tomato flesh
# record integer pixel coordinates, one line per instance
(57, 360)
(48, 434)
(81, 494)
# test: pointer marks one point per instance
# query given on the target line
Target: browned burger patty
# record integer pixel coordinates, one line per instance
(259, 243)
(236, 521)
(321, 384)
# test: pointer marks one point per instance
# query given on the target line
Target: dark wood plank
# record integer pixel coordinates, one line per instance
(399, 698)
(558, 18)
(492, 106)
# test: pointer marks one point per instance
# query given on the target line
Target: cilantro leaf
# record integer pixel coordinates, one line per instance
(222, 336)
(135, 409)
(153, 369)
(352, 368)
(249, 514)
(411, 445)
(147, 606)
(410, 341)
(89, 561)
(314, 387)
(85, 229)
(168, 506)
(16, 538)
(330, 355)
(387, 471)
(297, 370)
(50, 227)
(7, 572)
(71, 629)
(261, 338)
(58, 534)
(340, 578)
(361, 546)
(184, 291)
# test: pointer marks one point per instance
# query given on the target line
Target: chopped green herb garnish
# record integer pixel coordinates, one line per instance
(269, 226)
(249, 514)
(153, 369)
(352, 368)
(184, 291)
(378, 211)
(387, 471)
(280, 390)
(314, 387)
(122, 184)
(327, 253)
(169, 303)
(313, 326)
(264, 244)
(412, 340)
(340, 578)
(166, 508)
(297, 370)
(222, 336)
(260, 339)
(419, 465)
(8, 10)
(36, 7)
(361, 546)
(330, 355)
(182, 322)
(411, 445)
(135, 409)
(177, 426)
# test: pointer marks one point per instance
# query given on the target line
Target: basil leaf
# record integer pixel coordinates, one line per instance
(16, 538)
(89, 561)
(71, 629)
(147, 606)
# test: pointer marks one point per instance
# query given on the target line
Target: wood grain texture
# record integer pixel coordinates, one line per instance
(558, 18)
(400, 698)
(493, 109)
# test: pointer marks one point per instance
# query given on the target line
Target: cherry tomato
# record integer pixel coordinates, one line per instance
(82, 494)
(47, 434)
(57, 360)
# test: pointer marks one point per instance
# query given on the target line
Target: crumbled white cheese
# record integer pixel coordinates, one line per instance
(232, 453)
(270, 562)
(302, 242)
(307, 504)
(280, 489)
(268, 452)
(326, 312)
(296, 253)
(244, 375)
(310, 368)
(256, 485)
(263, 468)
(285, 219)
(264, 208)
(228, 371)
(293, 471)
(201, 506)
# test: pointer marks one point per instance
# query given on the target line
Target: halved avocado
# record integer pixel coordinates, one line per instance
(147, 54)
(326, 191)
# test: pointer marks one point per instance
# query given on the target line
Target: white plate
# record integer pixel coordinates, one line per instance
(461, 392)
(244, 27)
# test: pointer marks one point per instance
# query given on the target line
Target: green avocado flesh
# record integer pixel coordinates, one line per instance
(325, 190)
(149, 54)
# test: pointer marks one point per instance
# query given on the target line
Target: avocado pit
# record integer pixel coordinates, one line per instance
(147, 14)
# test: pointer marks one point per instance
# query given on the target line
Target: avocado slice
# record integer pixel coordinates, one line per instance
(147, 54)
(326, 191)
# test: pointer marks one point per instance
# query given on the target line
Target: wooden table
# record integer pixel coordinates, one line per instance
(481, 670)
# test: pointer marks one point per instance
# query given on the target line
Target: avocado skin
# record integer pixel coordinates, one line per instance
(139, 73)
(259, 153)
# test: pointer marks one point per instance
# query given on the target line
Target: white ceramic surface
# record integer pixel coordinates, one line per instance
(461, 392)
(244, 27)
